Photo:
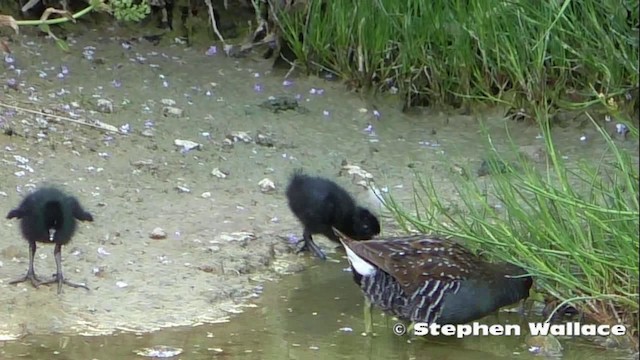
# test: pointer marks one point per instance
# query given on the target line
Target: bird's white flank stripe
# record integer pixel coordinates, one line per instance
(359, 264)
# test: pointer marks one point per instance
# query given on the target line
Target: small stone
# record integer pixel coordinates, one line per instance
(547, 346)
(183, 189)
(239, 136)
(622, 131)
(205, 195)
(266, 185)
(147, 163)
(487, 167)
(355, 170)
(147, 133)
(159, 351)
(219, 173)
(158, 234)
(264, 139)
(535, 153)
(99, 271)
(242, 238)
(187, 145)
(104, 106)
(172, 111)
(459, 170)
(168, 102)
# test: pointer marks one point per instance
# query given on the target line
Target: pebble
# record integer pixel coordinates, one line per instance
(264, 139)
(158, 233)
(355, 170)
(219, 173)
(536, 153)
(239, 136)
(172, 111)
(621, 129)
(187, 145)
(104, 106)
(159, 351)
(183, 189)
(266, 185)
(547, 346)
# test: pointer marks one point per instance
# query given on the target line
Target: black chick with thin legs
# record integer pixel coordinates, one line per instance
(48, 216)
(319, 204)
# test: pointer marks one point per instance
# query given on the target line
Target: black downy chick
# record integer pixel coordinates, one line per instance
(48, 216)
(319, 204)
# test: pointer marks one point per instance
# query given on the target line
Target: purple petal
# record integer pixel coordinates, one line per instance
(9, 59)
(12, 83)
(212, 50)
(293, 239)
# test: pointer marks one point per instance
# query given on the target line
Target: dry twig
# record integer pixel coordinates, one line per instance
(98, 124)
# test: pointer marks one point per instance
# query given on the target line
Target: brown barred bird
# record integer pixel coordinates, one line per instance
(433, 280)
(48, 216)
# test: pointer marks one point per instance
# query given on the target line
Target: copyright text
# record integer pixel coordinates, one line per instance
(535, 329)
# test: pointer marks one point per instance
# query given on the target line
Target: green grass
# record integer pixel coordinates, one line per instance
(574, 228)
(517, 52)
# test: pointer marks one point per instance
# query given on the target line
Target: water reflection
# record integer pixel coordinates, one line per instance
(304, 316)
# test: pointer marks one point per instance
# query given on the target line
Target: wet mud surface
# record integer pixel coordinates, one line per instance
(214, 201)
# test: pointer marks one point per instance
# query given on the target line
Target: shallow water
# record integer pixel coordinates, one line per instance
(166, 283)
(316, 313)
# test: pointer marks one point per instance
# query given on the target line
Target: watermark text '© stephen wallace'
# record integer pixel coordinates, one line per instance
(544, 328)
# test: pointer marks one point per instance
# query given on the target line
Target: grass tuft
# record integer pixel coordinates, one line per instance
(574, 228)
(514, 52)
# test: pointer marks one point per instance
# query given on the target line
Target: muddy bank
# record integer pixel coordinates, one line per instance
(224, 236)
(137, 180)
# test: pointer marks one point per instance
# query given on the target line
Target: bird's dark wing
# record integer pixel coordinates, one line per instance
(78, 212)
(16, 213)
